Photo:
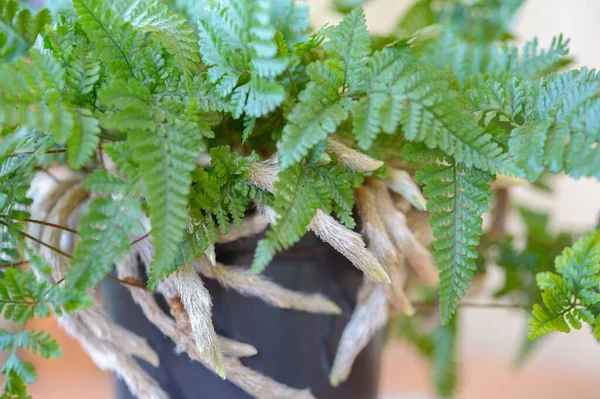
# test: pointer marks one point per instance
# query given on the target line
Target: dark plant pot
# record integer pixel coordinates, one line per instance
(294, 348)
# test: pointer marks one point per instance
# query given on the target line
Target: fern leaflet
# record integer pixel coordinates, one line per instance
(569, 293)
(457, 196)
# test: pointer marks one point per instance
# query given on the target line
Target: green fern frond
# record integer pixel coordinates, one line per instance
(445, 367)
(319, 112)
(166, 162)
(457, 197)
(340, 184)
(433, 115)
(105, 228)
(501, 96)
(297, 198)
(453, 51)
(290, 18)
(83, 70)
(559, 104)
(596, 329)
(531, 61)
(569, 293)
(169, 29)
(217, 194)
(14, 385)
(23, 297)
(557, 126)
(380, 110)
(220, 197)
(237, 44)
(529, 140)
(101, 181)
(18, 372)
(39, 342)
(116, 41)
(21, 154)
(84, 139)
(583, 153)
(299, 191)
(468, 59)
(120, 153)
(20, 28)
(164, 146)
(31, 95)
(350, 44)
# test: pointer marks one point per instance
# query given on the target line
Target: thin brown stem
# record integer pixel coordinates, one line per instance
(43, 223)
(499, 213)
(483, 305)
(140, 239)
(16, 154)
(14, 264)
(130, 281)
(101, 156)
(42, 243)
(107, 138)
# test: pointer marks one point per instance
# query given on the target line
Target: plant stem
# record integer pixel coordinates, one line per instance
(483, 305)
(16, 154)
(294, 88)
(57, 250)
(107, 138)
(140, 239)
(14, 264)
(101, 156)
(43, 223)
(132, 282)
(42, 243)
(499, 213)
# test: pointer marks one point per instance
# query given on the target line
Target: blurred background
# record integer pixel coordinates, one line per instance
(561, 367)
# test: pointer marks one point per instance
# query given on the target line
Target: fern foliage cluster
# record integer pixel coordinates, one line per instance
(570, 294)
(167, 108)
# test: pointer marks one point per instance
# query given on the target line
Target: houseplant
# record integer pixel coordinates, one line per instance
(189, 125)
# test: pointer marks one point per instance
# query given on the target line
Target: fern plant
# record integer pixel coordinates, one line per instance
(176, 126)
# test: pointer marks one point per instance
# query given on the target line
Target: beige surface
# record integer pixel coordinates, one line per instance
(564, 367)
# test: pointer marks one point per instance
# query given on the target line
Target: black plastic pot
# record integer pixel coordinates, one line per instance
(294, 348)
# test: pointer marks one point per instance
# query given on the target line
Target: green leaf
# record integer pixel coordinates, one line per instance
(84, 139)
(165, 138)
(529, 141)
(568, 294)
(457, 197)
(237, 44)
(532, 61)
(319, 112)
(169, 29)
(297, 198)
(380, 109)
(23, 297)
(433, 115)
(32, 96)
(20, 28)
(39, 342)
(105, 229)
(116, 41)
(350, 43)
(83, 70)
